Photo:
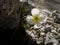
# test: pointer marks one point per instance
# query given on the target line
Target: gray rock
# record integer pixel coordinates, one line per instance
(57, 17)
(48, 4)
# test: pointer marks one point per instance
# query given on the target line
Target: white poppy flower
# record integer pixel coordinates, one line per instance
(36, 18)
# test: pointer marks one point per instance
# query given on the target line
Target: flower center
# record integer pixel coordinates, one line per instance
(36, 19)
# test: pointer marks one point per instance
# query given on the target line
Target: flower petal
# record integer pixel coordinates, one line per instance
(29, 19)
(35, 11)
(43, 17)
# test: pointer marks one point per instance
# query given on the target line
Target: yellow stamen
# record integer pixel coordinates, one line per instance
(36, 19)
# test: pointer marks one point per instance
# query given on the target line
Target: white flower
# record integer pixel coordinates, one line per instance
(37, 18)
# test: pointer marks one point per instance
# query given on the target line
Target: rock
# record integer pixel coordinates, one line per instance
(56, 17)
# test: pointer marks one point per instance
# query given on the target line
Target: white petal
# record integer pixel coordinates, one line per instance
(43, 18)
(29, 19)
(43, 15)
(35, 11)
